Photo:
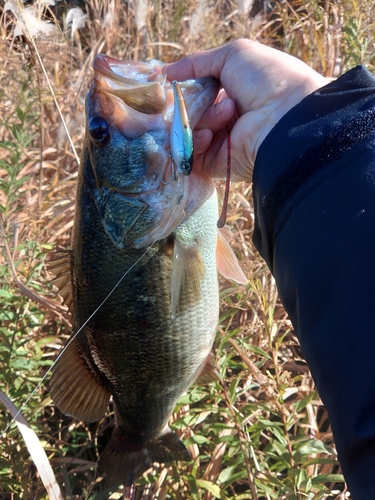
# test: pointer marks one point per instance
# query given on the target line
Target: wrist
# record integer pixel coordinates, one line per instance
(293, 96)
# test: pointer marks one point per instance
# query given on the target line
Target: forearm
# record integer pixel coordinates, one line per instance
(314, 195)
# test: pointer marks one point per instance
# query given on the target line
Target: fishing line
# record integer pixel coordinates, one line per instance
(85, 323)
(223, 216)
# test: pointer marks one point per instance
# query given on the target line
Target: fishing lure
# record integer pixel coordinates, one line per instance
(181, 137)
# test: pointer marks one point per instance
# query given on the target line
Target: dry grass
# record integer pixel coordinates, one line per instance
(263, 432)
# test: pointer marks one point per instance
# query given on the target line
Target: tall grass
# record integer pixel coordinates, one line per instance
(262, 432)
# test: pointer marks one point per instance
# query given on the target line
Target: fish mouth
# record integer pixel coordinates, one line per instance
(128, 72)
(143, 87)
(139, 85)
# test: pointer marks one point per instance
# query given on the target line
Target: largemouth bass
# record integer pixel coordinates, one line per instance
(141, 279)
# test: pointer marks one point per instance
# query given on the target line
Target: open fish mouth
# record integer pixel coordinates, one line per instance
(143, 87)
(139, 85)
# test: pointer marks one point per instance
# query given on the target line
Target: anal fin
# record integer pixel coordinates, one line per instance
(207, 372)
(168, 447)
(74, 388)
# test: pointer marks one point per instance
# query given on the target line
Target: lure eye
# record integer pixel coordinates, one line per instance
(98, 129)
(185, 167)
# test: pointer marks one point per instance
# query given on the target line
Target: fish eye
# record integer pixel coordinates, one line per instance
(98, 129)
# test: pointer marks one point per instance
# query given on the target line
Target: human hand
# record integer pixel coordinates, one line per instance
(260, 85)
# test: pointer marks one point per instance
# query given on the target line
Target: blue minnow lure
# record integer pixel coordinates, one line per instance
(181, 136)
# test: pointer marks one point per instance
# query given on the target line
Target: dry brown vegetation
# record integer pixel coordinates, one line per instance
(262, 433)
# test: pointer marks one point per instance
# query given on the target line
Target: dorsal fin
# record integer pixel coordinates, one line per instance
(187, 272)
(60, 264)
(75, 389)
(226, 259)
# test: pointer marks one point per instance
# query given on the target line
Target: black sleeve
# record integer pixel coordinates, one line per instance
(314, 196)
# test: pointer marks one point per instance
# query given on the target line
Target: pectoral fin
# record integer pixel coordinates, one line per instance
(75, 389)
(187, 273)
(226, 259)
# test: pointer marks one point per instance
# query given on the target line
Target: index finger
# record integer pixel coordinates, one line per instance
(199, 64)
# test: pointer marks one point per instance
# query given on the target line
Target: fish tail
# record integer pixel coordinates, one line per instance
(126, 457)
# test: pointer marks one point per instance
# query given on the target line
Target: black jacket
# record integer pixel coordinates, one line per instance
(314, 196)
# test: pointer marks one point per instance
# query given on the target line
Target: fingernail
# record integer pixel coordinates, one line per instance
(217, 109)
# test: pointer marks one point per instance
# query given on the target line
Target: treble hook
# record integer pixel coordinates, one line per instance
(174, 176)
